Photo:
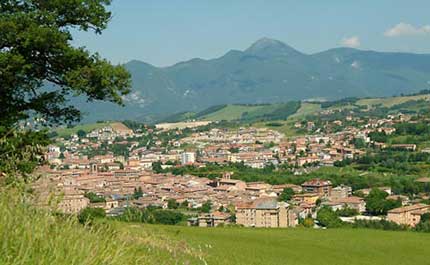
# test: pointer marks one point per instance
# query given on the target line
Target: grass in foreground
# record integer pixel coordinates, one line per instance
(299, 246)
(29, 236)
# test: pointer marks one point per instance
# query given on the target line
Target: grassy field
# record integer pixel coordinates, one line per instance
(297, 246)
(305, 109)
(231, 112)
(287, 127)
(389, 102)
(63, 132)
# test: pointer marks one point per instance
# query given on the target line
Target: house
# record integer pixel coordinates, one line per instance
(212, 219)
(265, 212)
(340, 192)
(308, 198)
(352, 202)
(408, 215)
(320, 187)
(239, 184)
(73, 202)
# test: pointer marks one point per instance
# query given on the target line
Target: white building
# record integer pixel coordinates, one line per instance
(188, 158)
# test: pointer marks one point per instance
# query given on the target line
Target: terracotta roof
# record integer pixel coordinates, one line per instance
(410, 208)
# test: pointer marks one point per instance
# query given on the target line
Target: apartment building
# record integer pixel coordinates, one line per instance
(264, 213)
(408, 215)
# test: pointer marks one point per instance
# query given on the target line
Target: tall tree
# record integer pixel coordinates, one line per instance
(40, 70)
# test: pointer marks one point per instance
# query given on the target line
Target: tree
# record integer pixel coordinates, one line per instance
(328, 218)
(172, 204)
(138, 193)
(94, 198)
(207, 207)
(81, 133)
(376, 203)
(286, 195)
(184, 204)
(167, 217)
(41, 70)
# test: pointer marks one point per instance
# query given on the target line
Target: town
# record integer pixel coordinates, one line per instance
(116, 168)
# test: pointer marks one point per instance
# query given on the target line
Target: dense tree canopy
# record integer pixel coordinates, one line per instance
(40, 70)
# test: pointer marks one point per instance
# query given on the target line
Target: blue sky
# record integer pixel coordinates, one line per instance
(163, 32)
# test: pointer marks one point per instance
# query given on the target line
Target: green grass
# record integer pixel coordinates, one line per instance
(64, 132)
(300, 246)
(305, 109)
(36, 236)
(231, 112)
(30, 236)
(389, 102)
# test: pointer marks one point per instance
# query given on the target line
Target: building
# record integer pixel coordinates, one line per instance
(352, 202)
(73, 203)
(320, 187)
(264, 213)
(408, 215)
(340, 192)
(210, 219)
(188, 158)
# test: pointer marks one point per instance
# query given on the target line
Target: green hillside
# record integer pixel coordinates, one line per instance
(296, 246)
(240, 112)
(231, 112)
(64, 132)
(391, 101)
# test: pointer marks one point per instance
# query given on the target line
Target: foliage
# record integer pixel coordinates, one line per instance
(286, 195)
(381, 225)
(87, 215)
(206, 207)
(94, 198)
(20, 153)
(347, 212)
(172, 204)
(41, 69)
(376, 203)
(328, 218)
(138, 193)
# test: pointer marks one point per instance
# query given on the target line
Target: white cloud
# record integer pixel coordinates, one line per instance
(404, 29)
(352, 42)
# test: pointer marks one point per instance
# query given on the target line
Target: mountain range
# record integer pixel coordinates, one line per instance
(269, 71)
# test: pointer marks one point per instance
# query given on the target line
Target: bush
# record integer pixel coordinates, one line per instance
(88, 215)
(328, 218)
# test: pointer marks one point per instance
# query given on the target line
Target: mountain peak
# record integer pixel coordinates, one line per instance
(271, 47)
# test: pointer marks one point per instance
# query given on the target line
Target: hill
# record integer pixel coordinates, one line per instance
(246, 113)
(67, 131)
(268, 72)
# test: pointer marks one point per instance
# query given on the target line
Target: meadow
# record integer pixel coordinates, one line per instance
(297, 246)
(30, 236)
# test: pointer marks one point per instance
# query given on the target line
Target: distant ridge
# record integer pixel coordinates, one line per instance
(269, 71)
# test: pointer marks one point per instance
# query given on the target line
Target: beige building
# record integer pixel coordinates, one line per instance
(408, 215)
(213, 219)
(318, 186)
(73, 203)
(264, 213)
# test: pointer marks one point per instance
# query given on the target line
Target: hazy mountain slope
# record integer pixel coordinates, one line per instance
(267, 72)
